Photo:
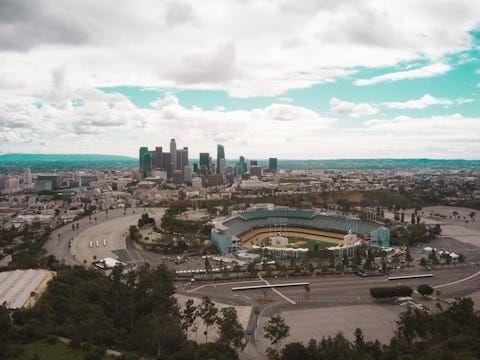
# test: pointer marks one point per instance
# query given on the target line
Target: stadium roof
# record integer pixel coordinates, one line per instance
(16, 287)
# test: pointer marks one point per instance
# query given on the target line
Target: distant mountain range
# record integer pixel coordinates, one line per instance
(65, 161)
(97, 161)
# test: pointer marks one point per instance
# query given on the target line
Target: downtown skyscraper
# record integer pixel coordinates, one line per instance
(220, 156)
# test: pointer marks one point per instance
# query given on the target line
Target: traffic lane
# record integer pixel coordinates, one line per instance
(342, 285)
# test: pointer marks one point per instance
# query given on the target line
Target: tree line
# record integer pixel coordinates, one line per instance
(135, 313)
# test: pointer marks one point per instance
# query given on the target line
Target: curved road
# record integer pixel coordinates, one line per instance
(73, 246)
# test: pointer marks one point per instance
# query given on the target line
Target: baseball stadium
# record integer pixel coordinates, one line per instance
(293, 232)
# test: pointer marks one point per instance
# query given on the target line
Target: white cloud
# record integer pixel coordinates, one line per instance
(205, 68)
(109, 123)
(179, 13)
(436, 127)
(249, 48)
(351, 109)
(298, 114)
(422, 72)
(424, 102)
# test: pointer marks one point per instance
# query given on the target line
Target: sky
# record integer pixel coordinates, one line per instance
(290, 79)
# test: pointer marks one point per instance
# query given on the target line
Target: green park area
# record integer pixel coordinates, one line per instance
(55, 350)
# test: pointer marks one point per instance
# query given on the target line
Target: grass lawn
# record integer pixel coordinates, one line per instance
(52, 351)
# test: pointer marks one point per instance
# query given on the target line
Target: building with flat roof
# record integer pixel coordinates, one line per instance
(22, 288)
(181, 158)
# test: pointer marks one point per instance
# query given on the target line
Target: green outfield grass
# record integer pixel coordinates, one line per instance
(323, 242)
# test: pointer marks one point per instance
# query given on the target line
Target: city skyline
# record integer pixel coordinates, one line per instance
(320, 80)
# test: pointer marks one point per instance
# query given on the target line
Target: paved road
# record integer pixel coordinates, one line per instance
(111, 227)
(329, 291)
(338, 285)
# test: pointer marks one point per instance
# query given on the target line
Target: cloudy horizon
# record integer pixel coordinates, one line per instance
(286, 79)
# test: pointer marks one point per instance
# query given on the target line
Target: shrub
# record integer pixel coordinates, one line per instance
(384, 292)
(425, 289)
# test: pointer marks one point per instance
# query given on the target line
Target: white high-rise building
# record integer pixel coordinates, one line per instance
(27, 178)
(221, 166)
(11, 185)
(173, 154)
(197, 183)
(187, 174)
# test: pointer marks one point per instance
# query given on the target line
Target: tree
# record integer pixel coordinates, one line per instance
(345, 260)
(293, 263)
(448, 259)
(208, 313)
(5, 326)
(251, 269)
(231, 331)
(472, 215)
(208, 266)
(307, 289)
(359, 341)
(423, 262)
(134, 233)
(433, 257)
(189, 314)
(425, 289)
(276, 330)
(408, 256)
(295, 350)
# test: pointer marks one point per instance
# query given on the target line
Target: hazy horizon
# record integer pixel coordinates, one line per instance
(192, 157)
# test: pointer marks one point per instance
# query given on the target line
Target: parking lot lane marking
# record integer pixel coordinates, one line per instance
(276, 291)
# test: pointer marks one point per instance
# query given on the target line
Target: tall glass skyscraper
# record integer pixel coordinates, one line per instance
(145, 162)
(204, 159)
(220, 155)
(272, 164)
